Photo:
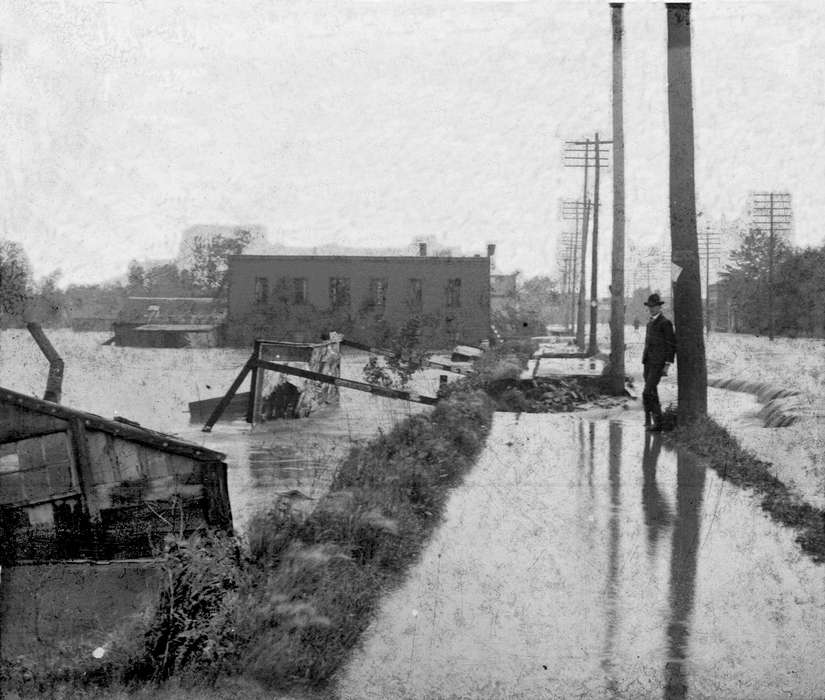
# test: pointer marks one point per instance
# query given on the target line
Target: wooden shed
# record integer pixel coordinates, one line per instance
(170, 322)
(75, 485)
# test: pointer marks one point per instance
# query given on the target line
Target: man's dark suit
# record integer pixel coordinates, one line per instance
(660, 348)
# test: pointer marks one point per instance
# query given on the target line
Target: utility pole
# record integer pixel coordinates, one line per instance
(594, 265)
(709, 245)
(617, 320)
(575, 157)
(687, 288)
(572, 159)
(567, 254)
(771, 210)
(574, 210)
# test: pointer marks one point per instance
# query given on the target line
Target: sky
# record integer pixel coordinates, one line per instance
(376, 123)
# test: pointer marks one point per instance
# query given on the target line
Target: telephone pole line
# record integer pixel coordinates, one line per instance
(771, 210)
(567, 255)
(593, 154)
(574, 210)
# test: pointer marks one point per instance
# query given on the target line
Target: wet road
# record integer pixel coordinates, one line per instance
(582, 558)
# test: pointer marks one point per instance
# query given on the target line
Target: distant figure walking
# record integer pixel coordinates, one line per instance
(636, 324)
(660, 348)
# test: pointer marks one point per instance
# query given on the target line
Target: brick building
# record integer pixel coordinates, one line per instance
(298, 297)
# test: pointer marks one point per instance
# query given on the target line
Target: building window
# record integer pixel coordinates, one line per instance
(339, 292)
(415, 297)
(261, 290)
(299, 289)
(378, 291)
(454, 293)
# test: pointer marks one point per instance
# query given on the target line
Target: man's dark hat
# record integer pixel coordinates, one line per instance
(654, 300)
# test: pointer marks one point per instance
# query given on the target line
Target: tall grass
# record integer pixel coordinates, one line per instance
(287, 605)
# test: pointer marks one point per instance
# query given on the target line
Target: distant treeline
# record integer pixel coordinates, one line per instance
(765, 274)
(22, 298)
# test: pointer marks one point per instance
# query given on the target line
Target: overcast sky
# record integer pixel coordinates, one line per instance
(373, 123)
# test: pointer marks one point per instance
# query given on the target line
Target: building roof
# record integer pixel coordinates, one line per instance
(24, 416)
(195, 311)
(446, 259)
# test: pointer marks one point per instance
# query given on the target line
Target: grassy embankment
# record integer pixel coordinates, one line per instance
(283, 608)
(723, 453)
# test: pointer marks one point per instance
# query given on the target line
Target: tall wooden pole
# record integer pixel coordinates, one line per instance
(687, 288)
(575, 275)
(617, 320)
(770, 272)
(594, 264)
(585, 225)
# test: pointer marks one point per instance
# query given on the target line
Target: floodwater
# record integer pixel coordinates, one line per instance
(583, 558)
(154, 387)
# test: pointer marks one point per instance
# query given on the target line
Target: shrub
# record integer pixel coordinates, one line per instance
(193, 626)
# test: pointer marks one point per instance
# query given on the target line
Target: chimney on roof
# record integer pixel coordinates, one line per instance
(422, 250)
(491, 253)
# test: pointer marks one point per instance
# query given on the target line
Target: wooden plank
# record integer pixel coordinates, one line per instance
(219, 409)
(54, 382)
(83, 465)
(562, 355)
(253, 385)
(201, 410)
(348, 383)
(449, 368)
(20, 422)
(145, 436)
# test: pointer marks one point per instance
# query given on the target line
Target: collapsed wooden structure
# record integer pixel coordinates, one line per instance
(76, 485)
(322, 374)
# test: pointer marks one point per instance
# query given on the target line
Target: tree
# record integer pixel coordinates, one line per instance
(745, 278)
(15, 281)
(210, 258)
(687, 291)
(47, 305)
(536, 296)
(136, 278)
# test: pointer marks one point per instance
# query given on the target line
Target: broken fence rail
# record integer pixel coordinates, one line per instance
(253, 363)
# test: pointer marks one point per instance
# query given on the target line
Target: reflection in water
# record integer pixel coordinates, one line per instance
(657, 511)
(612, 592)
(690, 485)
(592, 435)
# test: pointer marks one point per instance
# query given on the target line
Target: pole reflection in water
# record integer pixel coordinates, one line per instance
(592, 435)
(613, 541)
(657, 512)
(690, 486)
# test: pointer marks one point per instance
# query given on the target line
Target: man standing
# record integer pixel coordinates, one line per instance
(660, 347)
